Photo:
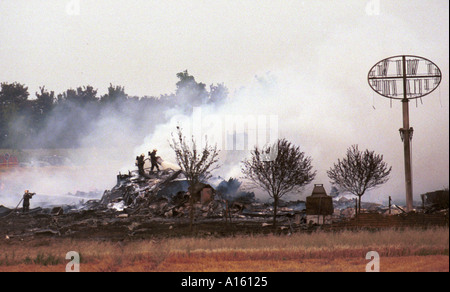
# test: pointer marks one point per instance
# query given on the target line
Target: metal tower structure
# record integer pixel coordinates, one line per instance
(405, 78)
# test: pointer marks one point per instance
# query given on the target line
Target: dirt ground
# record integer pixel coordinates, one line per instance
(411, 250)
(389, 264)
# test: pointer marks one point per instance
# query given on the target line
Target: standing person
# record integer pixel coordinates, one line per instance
(154, 159)
(140, 164)
(26, 201)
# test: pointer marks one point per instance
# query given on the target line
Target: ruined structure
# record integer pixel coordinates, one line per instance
(319, 206)
(160, 205)
(166, 194)
(435, 201)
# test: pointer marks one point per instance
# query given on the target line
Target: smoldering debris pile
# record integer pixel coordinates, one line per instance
(159, 204)
(163, 204)
(345, 207)
(164, 194)
(168, 195)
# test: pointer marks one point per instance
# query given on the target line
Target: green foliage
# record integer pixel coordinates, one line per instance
(61, 121)
(116, 94)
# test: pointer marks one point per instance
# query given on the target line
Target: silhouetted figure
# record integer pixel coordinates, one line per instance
(26, 201)
(140, 162)
(154, 160)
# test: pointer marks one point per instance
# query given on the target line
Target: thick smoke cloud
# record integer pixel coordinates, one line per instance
(105, 140)
(323, 122)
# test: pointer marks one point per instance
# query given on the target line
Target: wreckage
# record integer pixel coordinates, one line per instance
(160, 205)
(155, 204)
(167, 195)
(164, 195)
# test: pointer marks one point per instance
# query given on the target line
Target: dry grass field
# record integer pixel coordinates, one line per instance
(400, 251)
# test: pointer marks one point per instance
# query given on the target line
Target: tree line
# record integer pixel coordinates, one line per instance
(51, 120)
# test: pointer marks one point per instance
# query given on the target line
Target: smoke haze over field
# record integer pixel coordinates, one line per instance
(305, 62)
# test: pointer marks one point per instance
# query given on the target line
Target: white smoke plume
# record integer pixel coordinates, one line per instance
(322, 121)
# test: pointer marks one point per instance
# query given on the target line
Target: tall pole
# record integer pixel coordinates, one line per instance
(406, 136)
(385, 82)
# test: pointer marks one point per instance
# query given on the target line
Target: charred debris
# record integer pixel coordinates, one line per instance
(167, 195)
(154, 204)
(158, 204)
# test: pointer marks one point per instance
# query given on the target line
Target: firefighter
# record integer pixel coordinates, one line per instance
(140, 162)
(26, 200)
(153, 160)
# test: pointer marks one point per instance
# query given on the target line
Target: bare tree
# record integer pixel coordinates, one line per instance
(358, 172)
(196, 164)
(289, 170)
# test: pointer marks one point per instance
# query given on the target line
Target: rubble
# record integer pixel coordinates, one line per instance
(134, 189)
(4, 211)
(167, 195)
(160, 205)
(56, 211)
(435, 201)
(346, 208)
(140, 206)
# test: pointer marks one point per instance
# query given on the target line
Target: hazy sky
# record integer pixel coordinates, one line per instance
(318, 51)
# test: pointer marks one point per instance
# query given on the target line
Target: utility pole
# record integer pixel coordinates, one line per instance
(390, 205)
(406, 134)
(416, 77)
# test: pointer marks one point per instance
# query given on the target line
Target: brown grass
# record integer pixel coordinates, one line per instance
(408, 250)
